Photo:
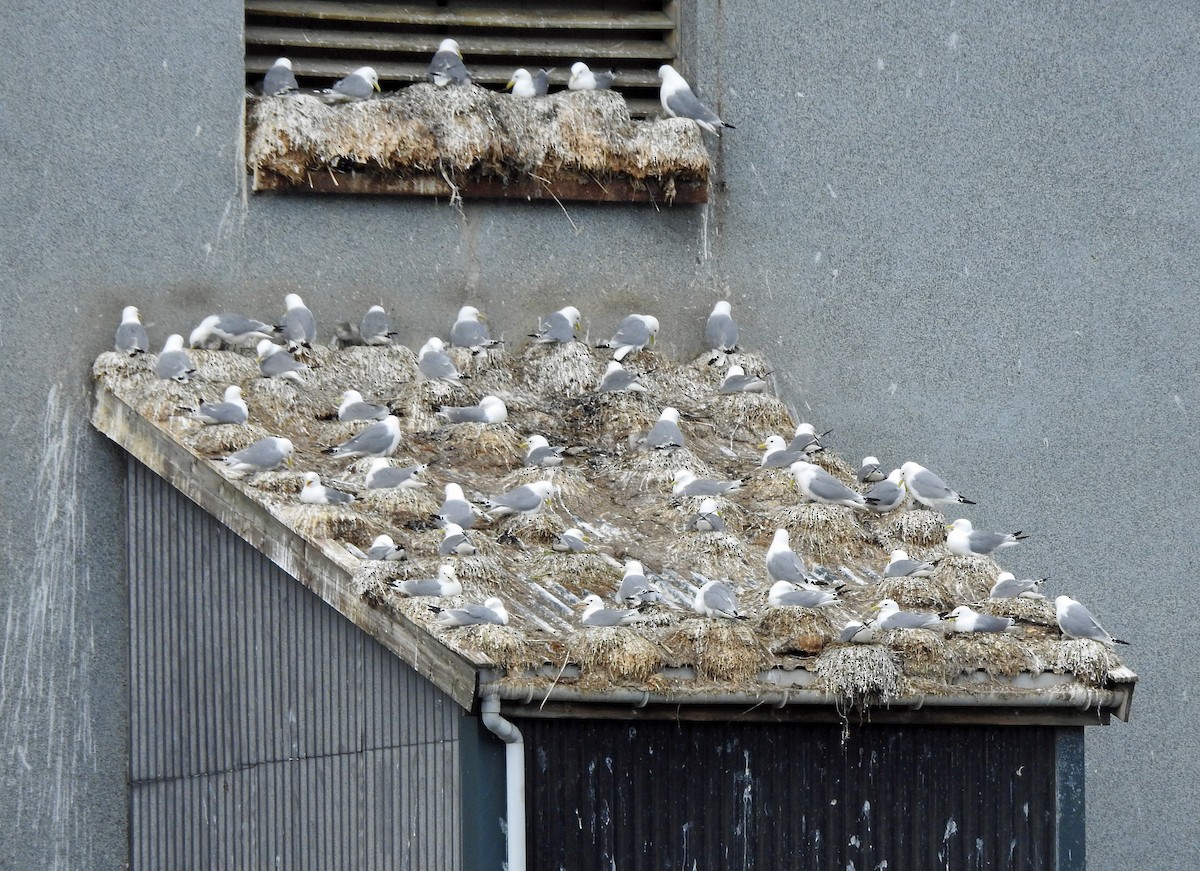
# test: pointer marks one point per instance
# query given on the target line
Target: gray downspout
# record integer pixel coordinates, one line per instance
(514, 777)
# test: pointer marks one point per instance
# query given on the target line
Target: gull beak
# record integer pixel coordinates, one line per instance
(510, 84)
(288, 461)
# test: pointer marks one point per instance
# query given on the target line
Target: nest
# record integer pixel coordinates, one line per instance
(456, 132)
(916, 528)
(997, 653)
(829, 534)
(721, 650)
(1088, 660)
(922, 652)
(798, 630)
(860, 674)
(560, 368)
(616, 652)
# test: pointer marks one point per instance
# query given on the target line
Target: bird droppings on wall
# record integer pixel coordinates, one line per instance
(469, 141)
(617, 492)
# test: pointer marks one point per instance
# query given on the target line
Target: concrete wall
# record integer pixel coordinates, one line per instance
(966, 235)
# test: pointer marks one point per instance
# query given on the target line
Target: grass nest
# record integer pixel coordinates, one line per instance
(722, 651)
(560, 369)
(860, 674)
(997, 653)
(798, 630)
(618, 653)
(829, 534)
(922, 651)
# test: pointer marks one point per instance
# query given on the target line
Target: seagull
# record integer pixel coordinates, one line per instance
(299, 327)
(526, 500)
(678, 101)
(870, 471)
(539, 453)
(1076, 621)
(434, 363)
(805, 440)
(265, 454)
(820, 486)
(776, 454)
(231, 329)
(376, 327)
(900, 566)
(635, 589)
(737, 381)
(357, 86)
(447, 67)
(888, 494)
(687, 484)
(595, 614)
(964, 619)
(720, 332)
(962, 539)
(784, 594)
(491, 409)
(891, 617)
(382, 475)
(470, 331)
(858, 632)
(456, 542)
(717, 599)
(386, 550)
(560, 326)
(279, 79)
(231, 409)
(316, 493)
(583, 79)
(634, 333)
(618, 379)
(521, 84)
(1008, 587)
(707, 519)
(491, 611)
(783, 563)
(456, 509)
(665, 433)
(378, 440)
(173, 362)
(275, 362)
(570, 541)
(131, 336)
(445, 584)
(928, 489)
(354, 407)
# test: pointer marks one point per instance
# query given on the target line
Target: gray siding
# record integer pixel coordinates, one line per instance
(661, 795)
(265, 728)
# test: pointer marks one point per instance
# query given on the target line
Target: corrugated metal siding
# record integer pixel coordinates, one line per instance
(660, 795)
(266, 730)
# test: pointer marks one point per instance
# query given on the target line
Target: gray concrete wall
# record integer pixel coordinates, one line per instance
(966, 235)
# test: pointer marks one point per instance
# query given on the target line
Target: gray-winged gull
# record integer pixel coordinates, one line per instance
(687, 484)
(445, 584)
(720, 331)
(456, 508)
(353, 407)
(717, 599)
(595, 614)
(490, 409)
(678, 101)
(737, 381)
(540, 453)
(279, 79)
(708, 518)
(435, 364)
(886, 495)
(618, 379)
(359, 85)
(382, 475)
(525, 500)
(376, 327)
(316, 493)
(446, 67)
(1008, 586)
(471, 331)
(570, 541)
(820, 486)
(521, 84)
(262, 456)
(666, 432)
(963, 539)
(784, 594)
(491, 611)
(173, 362)
(275, 362)
(131, 336)
(384, 549)
(635, 589)
(805, 440)
(634, 333)
(231, 409)
(902, 566)
(584, 79)
(783, 563)
(928, 489)
(299, 327)
(230, 329)
(891, 617)
(378, 440)
(1076, 621)
(965, 619)
(456, 542)
(560, 326)
(776, 454)
(869, 471)
(858, 632)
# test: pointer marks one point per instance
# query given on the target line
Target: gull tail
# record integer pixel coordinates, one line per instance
(965, 501)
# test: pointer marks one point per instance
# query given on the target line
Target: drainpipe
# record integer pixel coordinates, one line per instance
(514, 777)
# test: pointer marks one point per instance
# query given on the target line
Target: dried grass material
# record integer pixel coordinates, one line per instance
(798, 630)
(828, 534)
(408, 508)
(482, 445)
(712, 554)
(115, 368)
(492, 370)
(917, 528)
(224, 367)
(915, 593)
(158, 399)
(648, 469)
(579, 573)
(922, 652)
(416, 404)
(560, 368)
(753, 416)
(321, 522)
(861, 674)
(721, 650)
(223, 439)
(771, 487)
(501, 645)
(616, 653)
(530, 530)
(284, 483)
(1088, 660)
(966, 578)
(377, 372)
(670, 145)
(607, 420)
(1037, 611)
(487, 567)
(997, 653)
(836, 466)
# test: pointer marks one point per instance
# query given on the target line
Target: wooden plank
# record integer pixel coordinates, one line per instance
(307, 561)
(463, 17)
(472, 46)
(562, 189)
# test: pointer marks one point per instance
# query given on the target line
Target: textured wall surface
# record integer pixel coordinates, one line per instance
(966, 233)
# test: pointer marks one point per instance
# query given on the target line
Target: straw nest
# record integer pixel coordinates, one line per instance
(620, 495)
(456, 132)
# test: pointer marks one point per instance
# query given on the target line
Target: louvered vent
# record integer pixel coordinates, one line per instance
(326, 39)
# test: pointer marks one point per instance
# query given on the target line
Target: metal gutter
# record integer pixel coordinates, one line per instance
(514, 777)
